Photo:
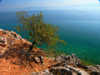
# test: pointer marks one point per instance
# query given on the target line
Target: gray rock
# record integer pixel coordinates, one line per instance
(95, 73)
(77, 70)
(37, 59)
(95, 68)
(60, 58)
(3, 41)
(12, 33)
(73, 58)
(63, 61)
(41, 58)
(61, 71)
(68, 70)
(45, 72)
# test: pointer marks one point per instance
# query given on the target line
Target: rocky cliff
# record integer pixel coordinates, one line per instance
(15, 60)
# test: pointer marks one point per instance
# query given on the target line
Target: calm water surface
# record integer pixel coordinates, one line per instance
(82, 36)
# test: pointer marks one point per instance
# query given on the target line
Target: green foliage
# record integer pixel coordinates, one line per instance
(38, 31)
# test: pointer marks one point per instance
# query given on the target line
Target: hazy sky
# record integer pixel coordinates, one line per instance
(13, 4)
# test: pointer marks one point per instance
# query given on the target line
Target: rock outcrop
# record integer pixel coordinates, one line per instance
(3, 41)
(95, 69)
(68, 70)
(71, 65)
(11, 42)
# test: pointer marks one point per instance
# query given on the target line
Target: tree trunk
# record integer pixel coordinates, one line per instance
(28, 51)
(32, 45)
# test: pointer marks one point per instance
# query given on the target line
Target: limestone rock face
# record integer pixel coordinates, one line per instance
(77, 70)
(60, 58)
(61, 71)
(63, 66)
(95, 69)
(68, 70)
(3, 41)
(45, 72)
(72, 58)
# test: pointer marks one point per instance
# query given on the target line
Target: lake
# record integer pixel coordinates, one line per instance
(80, 30)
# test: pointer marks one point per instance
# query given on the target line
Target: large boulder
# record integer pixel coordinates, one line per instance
(74, 59)
(69, 60)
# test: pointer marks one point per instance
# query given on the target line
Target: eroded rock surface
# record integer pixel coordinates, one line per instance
(95, 69)
(71, 65)
(3, 41)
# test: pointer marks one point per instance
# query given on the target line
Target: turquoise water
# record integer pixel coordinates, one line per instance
(82, 36)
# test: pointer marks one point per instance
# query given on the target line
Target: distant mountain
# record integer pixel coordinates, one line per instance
(35, 8)
(83, 7)
(67, 7)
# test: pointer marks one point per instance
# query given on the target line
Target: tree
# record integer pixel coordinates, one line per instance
(37, 30)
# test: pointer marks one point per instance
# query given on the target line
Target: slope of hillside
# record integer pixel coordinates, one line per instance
(15, 60)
